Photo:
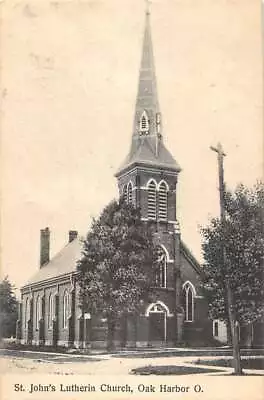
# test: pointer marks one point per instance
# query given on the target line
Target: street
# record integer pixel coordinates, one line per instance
(24, 362)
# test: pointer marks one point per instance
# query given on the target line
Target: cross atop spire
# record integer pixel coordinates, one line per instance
(147, 3)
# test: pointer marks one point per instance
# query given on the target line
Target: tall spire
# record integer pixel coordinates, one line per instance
(147, 147)
(147, 98)
(147, 2)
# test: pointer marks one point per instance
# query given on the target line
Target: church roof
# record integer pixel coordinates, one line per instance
(186, 252)
(65, 262)
(147, 145)
(144, 152)
(61, 264)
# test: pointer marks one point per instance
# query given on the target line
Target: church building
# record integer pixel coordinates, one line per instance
(50, 312)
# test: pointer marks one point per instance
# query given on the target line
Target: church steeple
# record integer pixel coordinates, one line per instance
(147, 113)
(147, 147)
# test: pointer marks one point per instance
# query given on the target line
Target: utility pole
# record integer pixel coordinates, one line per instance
(233, 324)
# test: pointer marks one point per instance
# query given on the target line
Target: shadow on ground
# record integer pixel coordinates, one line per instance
(171, 370)
(246, 363)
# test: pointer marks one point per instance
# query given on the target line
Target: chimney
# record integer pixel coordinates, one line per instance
(72, 235)
(44, 246)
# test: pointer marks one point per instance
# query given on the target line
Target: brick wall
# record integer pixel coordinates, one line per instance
(139, 179)
(50, 333)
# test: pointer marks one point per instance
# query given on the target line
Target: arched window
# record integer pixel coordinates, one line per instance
(129, 193)
(163, 201)
(66, 309)
(27, 312)
(215, 329)
(188, 291)
(125, 193)
(51, 311)
(38, 314)
(144, 123)
(161, 268)
(152, 200)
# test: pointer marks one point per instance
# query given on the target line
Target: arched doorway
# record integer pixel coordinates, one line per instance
(157, 314)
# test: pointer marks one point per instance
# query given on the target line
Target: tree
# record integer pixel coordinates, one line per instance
(242, 237)
(8, 309)
(116, 267)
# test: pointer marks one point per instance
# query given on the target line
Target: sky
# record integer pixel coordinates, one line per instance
(69, 75)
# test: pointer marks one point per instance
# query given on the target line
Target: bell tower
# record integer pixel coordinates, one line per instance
(148, 176)
(148, 179)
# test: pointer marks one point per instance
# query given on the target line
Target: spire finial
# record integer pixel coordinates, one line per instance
(147, 4)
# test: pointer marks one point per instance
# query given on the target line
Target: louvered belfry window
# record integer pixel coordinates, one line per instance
(163, 202)
(144, 123)
(129, 193)
(125, 193)
(152, 200)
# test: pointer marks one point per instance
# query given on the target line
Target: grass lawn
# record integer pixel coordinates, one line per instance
(247, 363)
(170, 370)
(49, 357)
(183, 353)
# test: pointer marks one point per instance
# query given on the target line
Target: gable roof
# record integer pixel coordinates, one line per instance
(65, 262)
(190, 257)
(62, 263)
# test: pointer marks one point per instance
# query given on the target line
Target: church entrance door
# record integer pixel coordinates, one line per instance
(157, 324)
